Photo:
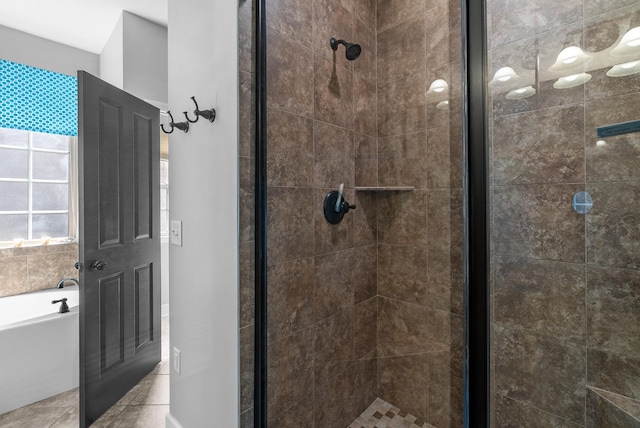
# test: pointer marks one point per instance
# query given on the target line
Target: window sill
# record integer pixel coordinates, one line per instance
(29, 247)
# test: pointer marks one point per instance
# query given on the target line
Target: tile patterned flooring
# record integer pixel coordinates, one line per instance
(144, 406)
(381, 414)
(147, 404)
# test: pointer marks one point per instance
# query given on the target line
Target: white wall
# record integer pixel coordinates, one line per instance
(112, 57)
(145, 58)
(24, 48)
(204, 196)
(135, 58)
(164, 276)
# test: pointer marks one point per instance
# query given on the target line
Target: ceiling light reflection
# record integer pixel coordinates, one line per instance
(570, 57)
(629, 44)
(572, 81)
(503, 75)
(522, 93)
(626, 69)
(438, 86)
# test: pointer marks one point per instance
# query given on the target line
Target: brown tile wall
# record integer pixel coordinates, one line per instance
(606, 409)
(582, 287)
(246, 153)
(373, 305)
(420, 232)
(321, 123)
(28, 269)
(565, 287)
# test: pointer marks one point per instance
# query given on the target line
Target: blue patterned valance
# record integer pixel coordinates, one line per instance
(34, 99)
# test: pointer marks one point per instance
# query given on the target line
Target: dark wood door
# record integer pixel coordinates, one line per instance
(119, 161)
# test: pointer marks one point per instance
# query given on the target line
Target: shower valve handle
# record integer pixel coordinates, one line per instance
(97, 265)
(346, 206)
(335, 207)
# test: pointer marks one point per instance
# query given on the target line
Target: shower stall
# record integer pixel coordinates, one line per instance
(439, 213)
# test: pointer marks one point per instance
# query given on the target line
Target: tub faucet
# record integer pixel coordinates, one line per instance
(63, 280)
(64, 308)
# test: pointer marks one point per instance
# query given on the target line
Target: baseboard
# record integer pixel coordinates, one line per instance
(164, 310)
(171, 422)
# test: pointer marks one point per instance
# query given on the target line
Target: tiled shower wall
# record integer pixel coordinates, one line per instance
(27, 269)
(246, 153)
(371, 306)
(420, 232)
(566, 287)
(322, 283)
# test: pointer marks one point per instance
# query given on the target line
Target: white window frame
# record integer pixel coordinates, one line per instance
(30, 212)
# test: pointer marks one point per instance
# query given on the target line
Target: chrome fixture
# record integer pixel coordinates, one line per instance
(63, 280)
(335, 207)
(97, 265)
(352, 49)
(63, 307)
(209, 115)
(183, 126)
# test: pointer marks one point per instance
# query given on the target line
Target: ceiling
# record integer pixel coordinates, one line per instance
(83, 24)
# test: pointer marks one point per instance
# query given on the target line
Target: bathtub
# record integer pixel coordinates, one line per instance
(39, 348)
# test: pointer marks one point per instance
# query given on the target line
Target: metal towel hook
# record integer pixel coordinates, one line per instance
(183, 126)
(209, 115)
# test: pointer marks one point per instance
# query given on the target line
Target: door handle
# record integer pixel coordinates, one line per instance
(97, 265)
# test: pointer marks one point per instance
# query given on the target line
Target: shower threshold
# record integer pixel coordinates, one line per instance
(381, 414)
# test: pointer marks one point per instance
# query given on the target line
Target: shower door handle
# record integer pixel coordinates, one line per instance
(97, 265)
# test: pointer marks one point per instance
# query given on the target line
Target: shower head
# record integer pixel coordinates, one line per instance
(352, 49)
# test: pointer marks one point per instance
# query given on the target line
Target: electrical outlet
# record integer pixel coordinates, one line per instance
(175, 232)
(177, 360)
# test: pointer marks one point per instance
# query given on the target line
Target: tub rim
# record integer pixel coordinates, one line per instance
(73, 310)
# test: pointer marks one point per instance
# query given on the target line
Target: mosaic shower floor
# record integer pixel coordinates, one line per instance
(381, 414)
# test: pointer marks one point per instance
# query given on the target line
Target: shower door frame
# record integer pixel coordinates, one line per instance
(260, 401)
(476, 367)
(476, 397)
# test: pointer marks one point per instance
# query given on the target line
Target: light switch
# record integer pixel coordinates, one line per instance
(176, 232)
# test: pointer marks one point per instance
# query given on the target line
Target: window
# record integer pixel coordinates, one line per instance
(35, 184)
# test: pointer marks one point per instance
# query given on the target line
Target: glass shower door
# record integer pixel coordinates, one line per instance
(361, 320)
(564, 212)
